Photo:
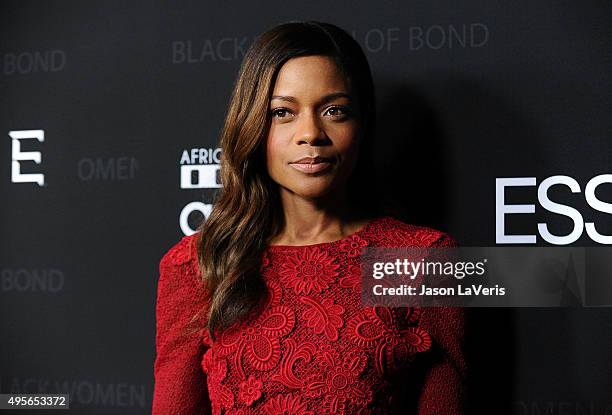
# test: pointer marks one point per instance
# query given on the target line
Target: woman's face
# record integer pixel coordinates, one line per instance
(312, 144)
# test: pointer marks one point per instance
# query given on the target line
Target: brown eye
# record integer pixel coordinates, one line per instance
(280, 112)
(337, 111)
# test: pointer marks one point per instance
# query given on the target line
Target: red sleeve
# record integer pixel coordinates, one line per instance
(180, 383)
(443, 391)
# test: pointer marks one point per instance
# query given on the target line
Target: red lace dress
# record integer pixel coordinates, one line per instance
(314, 349)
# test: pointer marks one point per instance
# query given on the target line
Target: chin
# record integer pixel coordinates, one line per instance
(312, 187)
(313, 191)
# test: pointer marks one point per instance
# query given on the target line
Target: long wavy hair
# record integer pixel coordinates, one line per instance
(247, 211)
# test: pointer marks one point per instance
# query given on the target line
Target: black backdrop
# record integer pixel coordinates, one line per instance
(117, 91)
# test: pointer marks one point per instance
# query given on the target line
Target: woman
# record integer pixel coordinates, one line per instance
(278, 326)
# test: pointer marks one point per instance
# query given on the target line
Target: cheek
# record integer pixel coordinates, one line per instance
(348, 145)
(274, 151)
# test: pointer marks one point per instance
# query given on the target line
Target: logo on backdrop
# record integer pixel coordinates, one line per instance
(28, 62)
(49, 280)
(503, 209)
(460, 36)
(18, 156)
(214, 50)
(373, 40)
(85, 392)
(111, 168)
(200, 169)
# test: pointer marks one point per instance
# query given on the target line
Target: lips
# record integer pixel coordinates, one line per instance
(312, 160)
(312, 165)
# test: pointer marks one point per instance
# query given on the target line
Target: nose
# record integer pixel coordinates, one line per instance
(309, 130)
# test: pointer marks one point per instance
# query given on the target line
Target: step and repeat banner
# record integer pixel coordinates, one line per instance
(493, 125)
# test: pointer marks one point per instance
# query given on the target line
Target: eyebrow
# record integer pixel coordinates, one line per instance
(323, 100)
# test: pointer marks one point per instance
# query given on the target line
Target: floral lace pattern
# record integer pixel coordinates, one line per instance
(314, 349)
(308, 270)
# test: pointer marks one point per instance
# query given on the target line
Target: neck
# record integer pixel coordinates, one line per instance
(312, 221)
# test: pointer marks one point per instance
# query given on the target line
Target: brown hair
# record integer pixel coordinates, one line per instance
(247, 212)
